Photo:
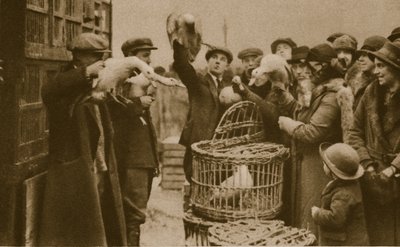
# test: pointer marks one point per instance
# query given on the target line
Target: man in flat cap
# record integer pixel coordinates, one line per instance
(82, 201)
(205, 108)
(283, 47)
(135, 143)
(251, 58)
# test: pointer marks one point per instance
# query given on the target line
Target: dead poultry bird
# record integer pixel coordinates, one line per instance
(186, 29)
(272, 68)
(230, 189)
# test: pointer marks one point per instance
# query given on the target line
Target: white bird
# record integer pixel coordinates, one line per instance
(230, 187)
(187, 31)
(118, 70)
(273, 68)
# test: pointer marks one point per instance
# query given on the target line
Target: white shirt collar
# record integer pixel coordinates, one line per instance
(215, 79)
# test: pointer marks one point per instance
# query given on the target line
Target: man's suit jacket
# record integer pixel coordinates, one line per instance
(205, 110)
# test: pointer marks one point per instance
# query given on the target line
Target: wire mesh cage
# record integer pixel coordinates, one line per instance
(258, 233)
(236, 175)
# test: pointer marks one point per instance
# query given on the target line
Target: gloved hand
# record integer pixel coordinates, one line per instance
(314, 211)
(238, 86)
(288, 125)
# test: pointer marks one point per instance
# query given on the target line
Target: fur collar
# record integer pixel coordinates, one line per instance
(332, 85)
(358, 80)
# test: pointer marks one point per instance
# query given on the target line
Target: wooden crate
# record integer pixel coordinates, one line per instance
(172, 155)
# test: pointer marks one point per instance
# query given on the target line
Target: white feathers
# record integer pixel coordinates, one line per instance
(187, 31)
(272, 67)
(241, 178)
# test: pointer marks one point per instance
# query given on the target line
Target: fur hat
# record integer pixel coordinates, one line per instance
(345, 42)
(334, 36)
(395, 34)
(222, 50)
(136, 44)
(321, 53)
(288, 41)
(89, 42)
(390, 54)
(342, 160)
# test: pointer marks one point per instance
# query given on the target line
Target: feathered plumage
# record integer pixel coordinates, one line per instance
(187, 31)
(273, 68)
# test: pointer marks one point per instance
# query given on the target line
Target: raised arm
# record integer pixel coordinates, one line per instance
(183, 68)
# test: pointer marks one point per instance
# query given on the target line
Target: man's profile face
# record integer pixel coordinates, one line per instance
(144, 55)
(217, 64)
(249, 63)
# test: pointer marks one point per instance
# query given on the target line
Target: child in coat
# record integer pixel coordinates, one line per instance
(341, 218)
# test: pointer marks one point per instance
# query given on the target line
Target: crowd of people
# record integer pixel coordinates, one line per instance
(335, 106)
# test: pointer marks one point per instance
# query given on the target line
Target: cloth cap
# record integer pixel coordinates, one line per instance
(395, 34)
(390, 54)
(299, 53)
(342, 160)
(321, 53)
(334, 36)
(288, 41)
(219, 49)
(250, 52)
(345, 42)
(89, 42)
(136, 44)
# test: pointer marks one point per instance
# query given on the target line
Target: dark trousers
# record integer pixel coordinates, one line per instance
(136, 187)
(187, 164)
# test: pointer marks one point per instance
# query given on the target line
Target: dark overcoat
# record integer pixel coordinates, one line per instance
(376, 137)
(135, 136)
(341, 219)
(321, 124)
(72, 215)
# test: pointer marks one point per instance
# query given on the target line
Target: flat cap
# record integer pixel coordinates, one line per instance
(334, 36)
(288, 41)
(321, 53)
(89, 42)
(395, 34)
(223, 50)
(250, 52)
(136, 44)
(299, 53)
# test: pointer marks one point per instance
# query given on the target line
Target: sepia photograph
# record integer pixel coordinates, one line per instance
(199, 123)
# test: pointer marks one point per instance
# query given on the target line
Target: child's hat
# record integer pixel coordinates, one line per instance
(342, 160)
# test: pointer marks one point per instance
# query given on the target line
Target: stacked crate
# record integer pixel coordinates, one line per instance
(172, 155)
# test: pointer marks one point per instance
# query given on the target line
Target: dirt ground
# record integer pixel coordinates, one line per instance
(164, 225)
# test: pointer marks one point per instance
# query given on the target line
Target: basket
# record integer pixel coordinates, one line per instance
(196, 230)
(236, 175)
(258, 233)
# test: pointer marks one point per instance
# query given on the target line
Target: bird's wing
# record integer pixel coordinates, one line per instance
(172, 27)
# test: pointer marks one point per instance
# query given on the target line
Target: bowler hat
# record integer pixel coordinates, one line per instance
(137, 44)
(342, 160)
(321, 53)
(390, 54)
(299, 53)
(250, 52)
(345, 42)
(288, 41)
(89, 42)
(372, 43)
(395, 34)
(334, 36)
(219, 49)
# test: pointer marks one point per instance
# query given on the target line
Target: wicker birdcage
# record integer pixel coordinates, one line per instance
(237, 174)
(196, 229)
(258, 233)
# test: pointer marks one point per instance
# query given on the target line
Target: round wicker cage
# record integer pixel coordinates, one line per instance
(237, 175)
(258, 233)
(196, 229)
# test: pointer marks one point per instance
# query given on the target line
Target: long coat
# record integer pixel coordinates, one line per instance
(321, 124)
(377, 138)
(341, 219)
(135, 137)
(72, 215)
(205, 109)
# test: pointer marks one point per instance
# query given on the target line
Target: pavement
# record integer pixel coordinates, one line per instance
(164, 225)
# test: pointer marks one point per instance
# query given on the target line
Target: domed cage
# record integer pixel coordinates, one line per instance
(238, 174)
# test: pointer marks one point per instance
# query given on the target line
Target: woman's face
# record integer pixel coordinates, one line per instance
(346, 56)
(365, 63)
(387, 76)
(284, 50)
